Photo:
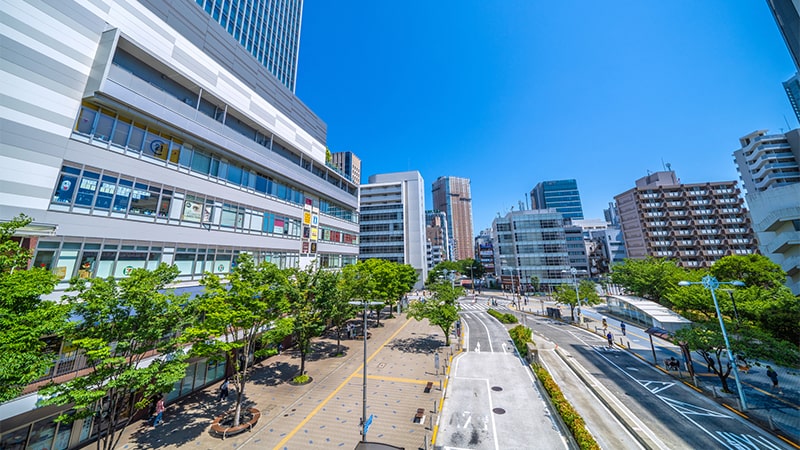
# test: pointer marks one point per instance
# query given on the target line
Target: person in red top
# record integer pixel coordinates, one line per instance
(159, 412)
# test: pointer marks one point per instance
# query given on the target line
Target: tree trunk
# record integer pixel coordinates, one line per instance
(238, 410)
(338, 340)
(302, 359)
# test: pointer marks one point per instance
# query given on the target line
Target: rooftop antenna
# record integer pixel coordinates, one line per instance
(662, 164)
(669, 167)
(521, 206)
(526, 200)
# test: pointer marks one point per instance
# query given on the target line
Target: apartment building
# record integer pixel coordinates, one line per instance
(694, 224)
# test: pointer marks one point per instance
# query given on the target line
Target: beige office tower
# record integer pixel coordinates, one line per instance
(693, 224)
(452, 196)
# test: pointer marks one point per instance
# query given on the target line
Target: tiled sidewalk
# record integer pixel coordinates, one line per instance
(325, 413)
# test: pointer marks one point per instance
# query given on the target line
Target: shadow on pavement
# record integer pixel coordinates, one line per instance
(421, 344)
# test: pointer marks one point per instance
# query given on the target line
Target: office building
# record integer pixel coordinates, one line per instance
(143, 133)
(792, 88)
(437, 236)
(561, 195)
(484, 251)
(349, 164)
(453, 196)
(268, 29)
(576, 247)
(528, 244)
(769, 165)
(787, 17)
(393, 220)
(692, 224)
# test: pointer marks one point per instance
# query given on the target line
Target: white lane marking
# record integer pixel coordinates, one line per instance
(478, 347)
(491, 414)
(488, 334)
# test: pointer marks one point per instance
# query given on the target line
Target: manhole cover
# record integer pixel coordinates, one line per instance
(499, 411)
(497, 388)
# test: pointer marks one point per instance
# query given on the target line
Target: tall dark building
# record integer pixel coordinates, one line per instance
(787, 15)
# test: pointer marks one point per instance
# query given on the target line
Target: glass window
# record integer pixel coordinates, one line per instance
(86, 120)
(185, 263)
(261, 184)
(105, 124)
(137, 137)
(122, 197)
(62, 437)
(155, 146)
(106, 265)
(42, 434)
(88, 264)
(199, 265)
(121, 131)
(201, 163)
(87, 188)
(223, 170)
(163, 206)
(234, 174)
(232, 217)
(14, 440)
(193, 209)
(175, 153)
(153, 261)
(128, 261)
(106, 192)
(144, 200)
(66, 188)
(214, 167)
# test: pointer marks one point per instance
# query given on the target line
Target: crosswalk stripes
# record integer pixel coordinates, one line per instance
(480, 306)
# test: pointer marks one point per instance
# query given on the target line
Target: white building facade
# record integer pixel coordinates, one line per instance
(392, 207)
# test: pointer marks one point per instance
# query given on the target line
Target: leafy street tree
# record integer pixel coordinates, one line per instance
(587, 294)
(472, 268)
(441, 309)
(336, 308)
(231, 319)
(649, 278)
(438, 272)
(122, 324)
(307, 291)
(24, 318)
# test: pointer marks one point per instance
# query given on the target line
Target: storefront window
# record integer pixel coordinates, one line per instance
(14, 440)
(88, 264)
(153, 260)
(185, 263)
(106, 266)
(128, 261)
(44, 259)
(67, 259)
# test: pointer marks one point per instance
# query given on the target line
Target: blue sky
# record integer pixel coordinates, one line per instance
(510, 93)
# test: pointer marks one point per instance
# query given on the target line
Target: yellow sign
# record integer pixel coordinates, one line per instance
(314, 234)
(60, 272)
(306, 218)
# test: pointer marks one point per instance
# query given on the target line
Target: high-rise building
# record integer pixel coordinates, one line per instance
(693, 224)
(453, 196)
(528, 244)
(437, 236)
(792, 88)
(350, 164)
(144, 134)
(268, 29)
(787, 16)
(393, 220)
(561, 195)
(769, 165)
(484, 251)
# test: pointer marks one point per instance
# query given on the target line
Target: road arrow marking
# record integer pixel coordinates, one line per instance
(689, 409)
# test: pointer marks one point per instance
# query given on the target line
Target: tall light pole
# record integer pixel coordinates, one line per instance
(364, 382)
(711, 283)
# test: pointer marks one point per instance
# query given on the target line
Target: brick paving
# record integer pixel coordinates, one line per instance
(325, 413)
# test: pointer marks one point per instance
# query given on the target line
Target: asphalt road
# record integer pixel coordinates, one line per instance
(492, 399)
(678, 417)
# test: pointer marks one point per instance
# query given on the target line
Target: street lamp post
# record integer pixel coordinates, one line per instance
(711, 283)
(366, 305)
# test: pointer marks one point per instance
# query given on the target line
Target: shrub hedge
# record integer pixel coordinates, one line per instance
(571, 418)
(503, 318)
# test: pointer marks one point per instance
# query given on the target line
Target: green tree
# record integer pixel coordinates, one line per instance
(649, 278)
(441, 309)
(472, 268)
(308, 290)
(336, 308)
(754, 270)
(587, 295)
(24, 317)
(231, 318)
(122, 324)
(438, 272)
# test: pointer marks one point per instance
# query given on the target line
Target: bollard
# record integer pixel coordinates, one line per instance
(430, 427)
(714, 392)
(771, 423)
(434, 407)
(694, 378)
(425, 443)
(440, 385)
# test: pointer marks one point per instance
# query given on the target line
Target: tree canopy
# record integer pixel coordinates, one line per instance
(650, 278)
(24, 317)
(587, 294)
(121, 324)
(441, 309)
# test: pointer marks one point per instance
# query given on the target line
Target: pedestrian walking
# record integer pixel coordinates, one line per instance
(774, 377)
(223, 391)
(610, 338)
(622, 327)
(159, 412)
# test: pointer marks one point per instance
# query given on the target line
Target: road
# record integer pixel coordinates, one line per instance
(671, 415)
(492, 399)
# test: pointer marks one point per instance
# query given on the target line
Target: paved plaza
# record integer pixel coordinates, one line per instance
(325, 413)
